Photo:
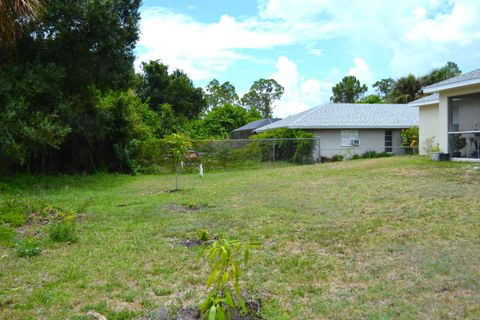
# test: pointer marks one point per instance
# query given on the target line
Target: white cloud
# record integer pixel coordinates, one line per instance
(361, 71)
(416, 34)
(201, 49)
(300, 93)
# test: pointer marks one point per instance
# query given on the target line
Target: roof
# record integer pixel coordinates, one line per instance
(462, 80)
(350, 116)
(257, 124)
(430, 99)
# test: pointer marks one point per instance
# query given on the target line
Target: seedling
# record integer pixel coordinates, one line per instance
(226, 260)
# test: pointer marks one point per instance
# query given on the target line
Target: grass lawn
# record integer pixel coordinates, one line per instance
(390, 238)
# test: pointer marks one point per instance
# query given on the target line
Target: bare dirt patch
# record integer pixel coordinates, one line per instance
(184, 208)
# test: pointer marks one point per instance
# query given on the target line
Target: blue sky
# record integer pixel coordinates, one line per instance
(308, 45)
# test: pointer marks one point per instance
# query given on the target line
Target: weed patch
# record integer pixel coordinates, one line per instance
(28, 247)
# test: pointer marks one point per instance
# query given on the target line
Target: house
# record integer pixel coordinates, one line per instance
(450, 117)
(247, 130)
(348, 129)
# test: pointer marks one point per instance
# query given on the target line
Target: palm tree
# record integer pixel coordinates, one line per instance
(406, 89)
(14, 13)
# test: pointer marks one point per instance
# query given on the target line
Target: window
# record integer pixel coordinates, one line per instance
(388, 140)
(348, 136)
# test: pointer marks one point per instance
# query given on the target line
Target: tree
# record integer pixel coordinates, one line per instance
(185, 99)
(177, 146)
(384, 87)
(406, 89)
(450, 70)
(349, 90)
(220, 121)
(220, 94)
(371, 99)
(262, 95)
(157, 86)
(153, 83)
(78, 53)
(13, 15)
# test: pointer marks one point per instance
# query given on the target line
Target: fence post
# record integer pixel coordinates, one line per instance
(319, 156)
(273, 153)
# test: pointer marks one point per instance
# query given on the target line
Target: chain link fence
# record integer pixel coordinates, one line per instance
(252, 153)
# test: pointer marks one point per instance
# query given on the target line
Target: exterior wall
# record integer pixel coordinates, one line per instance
(429, 128)
(370, 139)
(443, 112)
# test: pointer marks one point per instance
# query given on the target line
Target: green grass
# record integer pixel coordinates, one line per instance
(390, 238)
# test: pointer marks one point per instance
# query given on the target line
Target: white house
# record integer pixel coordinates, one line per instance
(450, 117)
(348, 128)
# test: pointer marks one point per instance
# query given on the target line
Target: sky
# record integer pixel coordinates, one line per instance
(308, 45)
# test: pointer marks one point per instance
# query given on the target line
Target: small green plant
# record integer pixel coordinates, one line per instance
(226, 258)
(435, 148)
(429, 145)
(28, 247)
(203, 235)
(63, 231)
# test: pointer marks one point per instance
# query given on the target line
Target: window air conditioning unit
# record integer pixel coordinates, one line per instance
(355, 142)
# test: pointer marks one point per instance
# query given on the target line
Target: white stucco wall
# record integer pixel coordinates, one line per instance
(428, 125)
(370, 139)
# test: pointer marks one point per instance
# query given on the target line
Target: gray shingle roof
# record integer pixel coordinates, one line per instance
(257, 124)
(430, 99)
(350, 115)
(467, 78)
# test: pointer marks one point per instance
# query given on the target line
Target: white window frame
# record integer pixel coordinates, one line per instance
(346, 137)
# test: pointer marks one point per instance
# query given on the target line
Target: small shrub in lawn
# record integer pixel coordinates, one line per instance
(63, 231)
(7, 235)
(28, 247)
(226, 258)
(13, 213)
(203, 235)
(356, 157)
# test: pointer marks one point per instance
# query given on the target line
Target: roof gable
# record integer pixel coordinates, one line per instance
(257, 124)
(427, 100)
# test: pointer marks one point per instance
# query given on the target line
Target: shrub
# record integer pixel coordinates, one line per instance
(408, 136)
(370, 154)
(384, 154)
(28, 247)
(336, 157)
(63, 231)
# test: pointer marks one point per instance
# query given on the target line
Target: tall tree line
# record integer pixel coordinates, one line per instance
(402, 90)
